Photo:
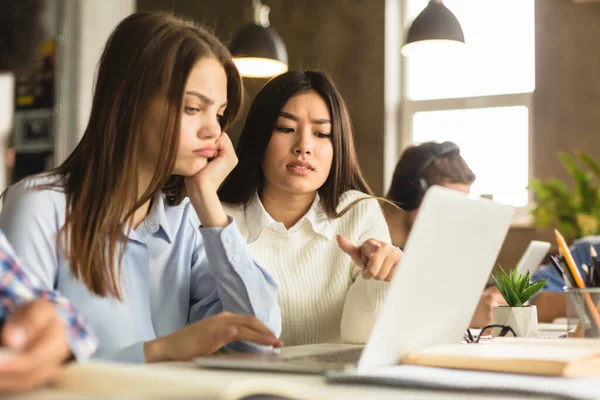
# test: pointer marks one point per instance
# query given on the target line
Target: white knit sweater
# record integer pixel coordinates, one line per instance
(322, 294)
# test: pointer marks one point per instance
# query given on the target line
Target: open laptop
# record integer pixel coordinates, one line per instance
(448, 257)
(533, 257)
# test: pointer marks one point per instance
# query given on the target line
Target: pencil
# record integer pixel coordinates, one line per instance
(555, 262)
(593, 266)
(564, 249)
(588, 277)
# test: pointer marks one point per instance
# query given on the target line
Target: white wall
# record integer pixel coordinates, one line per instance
(7, 101)
(98, 19)
(86, 27)
(394, 12)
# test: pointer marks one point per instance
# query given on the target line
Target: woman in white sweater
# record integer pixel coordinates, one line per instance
(295, 196)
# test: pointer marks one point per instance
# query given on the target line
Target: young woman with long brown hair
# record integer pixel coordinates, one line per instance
(297, 190)
(129, 228)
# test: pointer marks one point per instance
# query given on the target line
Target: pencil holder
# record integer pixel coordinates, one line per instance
(583, 312)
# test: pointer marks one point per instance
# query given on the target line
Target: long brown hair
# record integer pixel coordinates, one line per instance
(247, 178)
(147, 60)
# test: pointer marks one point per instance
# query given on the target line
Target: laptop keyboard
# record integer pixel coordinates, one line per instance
(348, 356)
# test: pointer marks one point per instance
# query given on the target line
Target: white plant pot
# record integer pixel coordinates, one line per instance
(523, 320)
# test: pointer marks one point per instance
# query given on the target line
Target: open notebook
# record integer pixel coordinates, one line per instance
(550, 357)
(558, 368)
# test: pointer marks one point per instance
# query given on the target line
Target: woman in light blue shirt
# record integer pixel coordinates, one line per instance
(129, 229)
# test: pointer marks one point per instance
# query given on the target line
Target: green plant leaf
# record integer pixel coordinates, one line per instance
(587, 193)
(592, 164)
(506, 285)
(532, 289)
(514, 287)
(502, 273)
(500, 285)
(554, 199)
(585, 197)
(571, 166)
(556, 187)
(513, 300)
(539, 189)
(522, 285)
(500, 278)
(560, 196)
(513, 279)
(588, 224)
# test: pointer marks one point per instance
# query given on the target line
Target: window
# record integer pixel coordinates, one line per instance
(481, 98)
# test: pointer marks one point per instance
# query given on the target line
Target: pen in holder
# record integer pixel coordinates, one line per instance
(583, 308)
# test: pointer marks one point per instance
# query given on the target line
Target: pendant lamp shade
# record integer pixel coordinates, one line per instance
(258, 50)
(435, 30)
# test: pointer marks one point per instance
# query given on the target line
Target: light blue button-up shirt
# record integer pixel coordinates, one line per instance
(173, 271)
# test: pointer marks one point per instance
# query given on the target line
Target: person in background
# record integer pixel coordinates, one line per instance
(129, 228)
(551, 302)
(40, 330)
(38, 333)
(308, 214)
(419, 168)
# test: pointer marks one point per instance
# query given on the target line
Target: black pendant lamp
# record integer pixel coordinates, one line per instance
(435, 31)
(258, 51)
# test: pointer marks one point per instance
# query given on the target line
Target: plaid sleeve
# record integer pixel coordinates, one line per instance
(16, 288)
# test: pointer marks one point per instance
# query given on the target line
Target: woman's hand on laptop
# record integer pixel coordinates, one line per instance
(207, 336)
(377, 259)
(36, 345)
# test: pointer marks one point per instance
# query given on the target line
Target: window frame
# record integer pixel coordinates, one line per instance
(408, 107)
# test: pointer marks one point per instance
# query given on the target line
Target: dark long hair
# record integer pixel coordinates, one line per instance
(247, 178)
(147, 60)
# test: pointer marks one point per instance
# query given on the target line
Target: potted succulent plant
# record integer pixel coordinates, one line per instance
(516, 289)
